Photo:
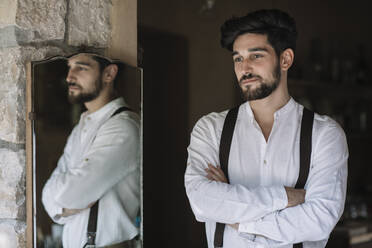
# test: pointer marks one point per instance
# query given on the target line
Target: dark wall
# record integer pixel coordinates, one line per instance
(340, 25)
(165, 108)
(208, 84)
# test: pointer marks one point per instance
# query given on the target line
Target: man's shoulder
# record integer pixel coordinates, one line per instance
(325, 122)
(327, 130)
(322, 122)
(212, 119)
(127, 116)
(123, 121)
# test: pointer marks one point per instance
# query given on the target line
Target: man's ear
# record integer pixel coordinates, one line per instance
(109, 73)
(286, 59)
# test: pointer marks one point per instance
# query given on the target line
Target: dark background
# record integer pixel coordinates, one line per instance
(187, 75)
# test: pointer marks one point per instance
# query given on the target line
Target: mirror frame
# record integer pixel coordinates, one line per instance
(30, 154)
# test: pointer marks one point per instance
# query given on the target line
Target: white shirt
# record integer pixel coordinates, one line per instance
(259, 170)
(100, 162)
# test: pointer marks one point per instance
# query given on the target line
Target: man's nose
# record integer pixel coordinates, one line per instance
(70, 76)
(246, 66)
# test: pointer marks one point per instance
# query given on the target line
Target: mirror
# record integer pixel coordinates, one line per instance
(102, 161)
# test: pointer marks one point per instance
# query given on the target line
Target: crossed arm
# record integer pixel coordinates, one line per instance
(276, 213)
(76, 184)
(295, 196)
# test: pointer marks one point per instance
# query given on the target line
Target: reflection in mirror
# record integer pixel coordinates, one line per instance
(86, 152)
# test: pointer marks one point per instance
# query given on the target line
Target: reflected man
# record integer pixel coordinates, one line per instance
(100, 162)
(257, 204)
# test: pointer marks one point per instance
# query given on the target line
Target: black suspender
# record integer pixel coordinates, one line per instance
(119, 110)
(305, 147)
(225, 144)
(93, 214)
(305, 154)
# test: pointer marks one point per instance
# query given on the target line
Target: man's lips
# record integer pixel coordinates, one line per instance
(248, 81)
(73, 87)
(248, 78)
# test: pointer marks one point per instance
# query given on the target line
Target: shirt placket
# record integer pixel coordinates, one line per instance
(263, 156)
(264, 164)
(266, 158)
(85, 129)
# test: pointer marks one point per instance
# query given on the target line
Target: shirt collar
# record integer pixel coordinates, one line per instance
(107, 109)
(287, 107)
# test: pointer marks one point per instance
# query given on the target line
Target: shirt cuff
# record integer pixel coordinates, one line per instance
(57, 213)
(280, 201)
(249, 227)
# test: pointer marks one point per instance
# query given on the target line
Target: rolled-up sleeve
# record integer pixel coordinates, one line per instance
(324, 202)
(217, 201)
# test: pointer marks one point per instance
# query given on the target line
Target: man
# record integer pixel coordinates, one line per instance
(100, 162)
(259, 205)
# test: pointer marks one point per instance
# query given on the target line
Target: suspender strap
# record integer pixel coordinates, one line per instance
(305, 152)
(93, 214)
(92, 224)
(121, 109)
(305, 147)
(225, 144)
(226, 138)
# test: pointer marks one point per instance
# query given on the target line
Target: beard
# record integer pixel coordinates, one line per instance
(87, 96)
(264, 89)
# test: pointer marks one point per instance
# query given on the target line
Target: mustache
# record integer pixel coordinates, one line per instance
(72, 84)
(248, 76)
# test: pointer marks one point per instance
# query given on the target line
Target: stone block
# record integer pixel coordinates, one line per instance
(12, 234)
(12, 89)
(89, 23)
(8, 10)
(12, 184)
(8, 37)
(46, 18)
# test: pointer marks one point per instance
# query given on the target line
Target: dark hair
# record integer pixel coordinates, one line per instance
(103, 63)
(279, 27)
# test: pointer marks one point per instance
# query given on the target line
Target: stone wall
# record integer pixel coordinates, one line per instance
(34, 30)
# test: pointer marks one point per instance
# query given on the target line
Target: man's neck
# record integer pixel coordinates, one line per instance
(99, 102)
(264, 109)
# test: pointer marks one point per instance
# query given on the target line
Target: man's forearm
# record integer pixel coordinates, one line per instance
(225, 203)
(69, 212)
(294, 196)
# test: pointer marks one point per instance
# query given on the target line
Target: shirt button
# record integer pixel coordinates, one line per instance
(265, 161)
(86, 160)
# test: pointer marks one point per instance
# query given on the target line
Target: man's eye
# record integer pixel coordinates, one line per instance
(238, 59)
(256, 56)
(79, 68)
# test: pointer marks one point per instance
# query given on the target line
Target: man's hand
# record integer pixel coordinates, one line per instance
(235, 226)
(295, 196)
(68, 212)
(215, 174)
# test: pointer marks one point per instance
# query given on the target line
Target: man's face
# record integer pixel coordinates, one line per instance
(256, 66)
(83, 79)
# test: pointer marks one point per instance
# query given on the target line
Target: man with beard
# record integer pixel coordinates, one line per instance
(99, 168)
(257, 204)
